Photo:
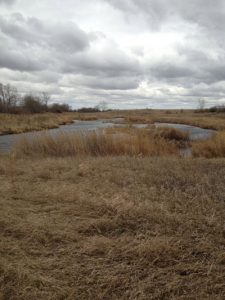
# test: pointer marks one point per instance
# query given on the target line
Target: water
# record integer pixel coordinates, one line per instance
(8, 141)
(194, 133)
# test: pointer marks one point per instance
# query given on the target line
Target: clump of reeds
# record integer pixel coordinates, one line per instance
(96, 144)
(213, 147)
(138, 119)
(171, 134)
(87, 117)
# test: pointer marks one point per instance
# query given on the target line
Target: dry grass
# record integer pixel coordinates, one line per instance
(112, 228)
(10, 123)
(213, 147)
(137, 142)
(204, 120)
(78, 223)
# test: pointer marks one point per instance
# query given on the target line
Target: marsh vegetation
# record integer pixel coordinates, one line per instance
(114, 214)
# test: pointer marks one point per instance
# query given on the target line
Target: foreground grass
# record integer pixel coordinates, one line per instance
(10, 123)
(112, 228)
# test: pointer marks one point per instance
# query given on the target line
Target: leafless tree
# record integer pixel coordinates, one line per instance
(102, 105)
(201, 104)
(45, 97)
(8, 97)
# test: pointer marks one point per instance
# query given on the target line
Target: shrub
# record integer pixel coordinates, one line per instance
(59, 108)
(32, 104)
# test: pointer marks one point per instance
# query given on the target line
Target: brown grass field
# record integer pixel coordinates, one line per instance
(112, 228)
(117, 214)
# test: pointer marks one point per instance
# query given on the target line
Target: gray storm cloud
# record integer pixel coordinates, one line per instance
(7, 2)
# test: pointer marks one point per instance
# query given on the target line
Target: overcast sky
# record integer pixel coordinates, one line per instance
(129, 53)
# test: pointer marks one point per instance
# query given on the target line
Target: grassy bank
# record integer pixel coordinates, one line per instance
(112, 228)
(10, 123)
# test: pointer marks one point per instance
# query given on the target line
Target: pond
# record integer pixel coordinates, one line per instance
(7, 141)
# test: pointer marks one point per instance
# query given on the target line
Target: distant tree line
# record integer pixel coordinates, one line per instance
(88, 110)
(102, 106)
(12, 102)
(219, 108)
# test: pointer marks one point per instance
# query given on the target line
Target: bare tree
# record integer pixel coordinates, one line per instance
(8, 97)
(45, 97)
(102, 106)
(201, 104)
(33, 104)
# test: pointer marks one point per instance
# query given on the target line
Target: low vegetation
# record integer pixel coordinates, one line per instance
(112, 228)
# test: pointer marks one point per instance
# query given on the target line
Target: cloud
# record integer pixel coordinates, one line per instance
(67, 36)
(107, 83)
(29, 44)
(104, 62)
(165, 70)
(7, 2)
(207, 13)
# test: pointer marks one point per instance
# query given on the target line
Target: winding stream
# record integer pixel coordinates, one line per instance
(8, 141)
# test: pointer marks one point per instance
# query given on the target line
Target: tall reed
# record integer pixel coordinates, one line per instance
(96, 144)
(213, 147)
